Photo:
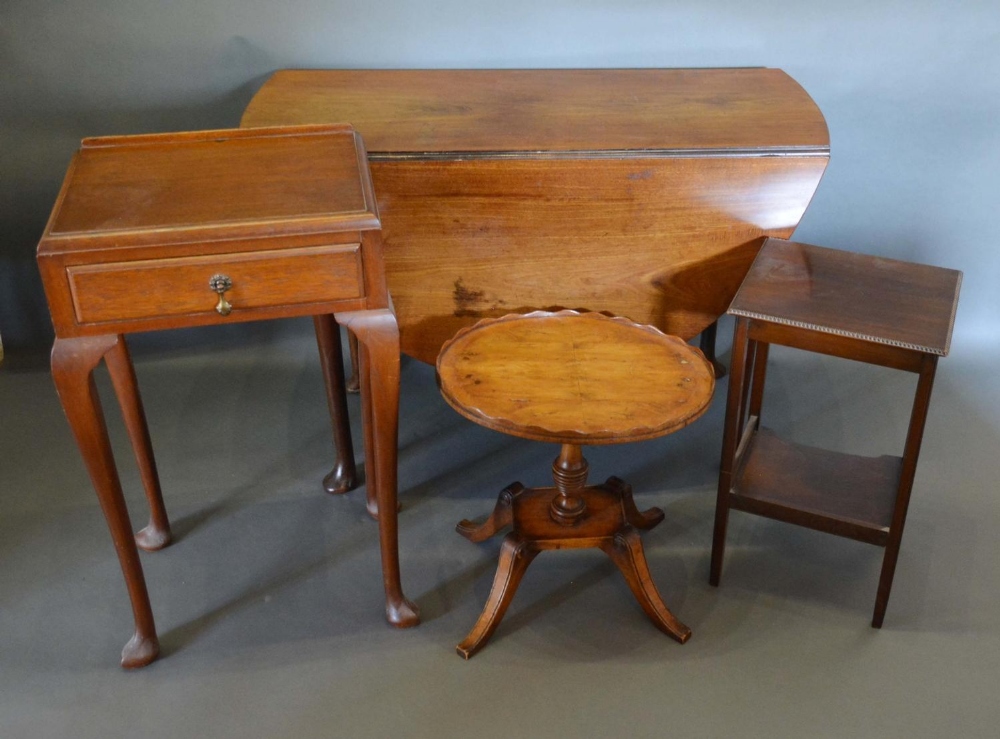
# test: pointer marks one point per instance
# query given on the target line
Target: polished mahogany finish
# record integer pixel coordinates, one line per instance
(423, 111)
(838, 293)
(175, 230)
(642, 192)
(572, 378)
(855, 306)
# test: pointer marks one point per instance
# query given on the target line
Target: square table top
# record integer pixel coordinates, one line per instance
(884, 301)
(209, 185)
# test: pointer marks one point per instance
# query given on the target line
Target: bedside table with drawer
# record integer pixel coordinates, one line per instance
(176, 230)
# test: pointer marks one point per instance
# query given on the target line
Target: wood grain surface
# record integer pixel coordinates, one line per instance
(663, 241)
(575, 378)
(642, 192)
(883, 301)
(547, 110)
(174, 287)
(844, 494)
(203, 185)
(142, 223)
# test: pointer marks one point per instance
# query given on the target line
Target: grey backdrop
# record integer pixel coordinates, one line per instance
(910, 91)
(269, 608)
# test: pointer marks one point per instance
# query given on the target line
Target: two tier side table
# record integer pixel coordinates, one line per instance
(881, 311)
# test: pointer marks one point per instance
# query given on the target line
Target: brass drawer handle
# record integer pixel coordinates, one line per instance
(220, 283)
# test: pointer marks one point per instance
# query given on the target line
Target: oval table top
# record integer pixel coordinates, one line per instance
(574, 378)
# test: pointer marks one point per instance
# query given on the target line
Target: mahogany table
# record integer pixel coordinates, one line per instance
(573, 379)
(881, 311)
(173, 230)
(642, 192)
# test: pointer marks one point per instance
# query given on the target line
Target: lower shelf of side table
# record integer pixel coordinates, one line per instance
(842, 494)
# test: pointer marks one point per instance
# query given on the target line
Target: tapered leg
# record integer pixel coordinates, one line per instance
(626, 551)
(759, 377)
(343, 476)
(889, 560)
(156, 534)
(707, 346)
(640, 519)
(353, 383)
(500, 518)
(378, 338)
(749, 370)
(911, 452)
(73, 362)
(729, 441)
(515, 556)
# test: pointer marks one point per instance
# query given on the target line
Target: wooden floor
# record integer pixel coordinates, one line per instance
(269, 604)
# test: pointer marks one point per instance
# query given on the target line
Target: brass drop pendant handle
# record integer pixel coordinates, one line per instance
(220, 284)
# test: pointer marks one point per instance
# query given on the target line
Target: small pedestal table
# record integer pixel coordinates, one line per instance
(573, 379)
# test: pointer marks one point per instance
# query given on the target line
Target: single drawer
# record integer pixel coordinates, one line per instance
(123, 291)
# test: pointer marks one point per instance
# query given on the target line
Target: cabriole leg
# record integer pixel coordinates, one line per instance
(343, 476)
(156, 534)
(73, 363)
(378, 338)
